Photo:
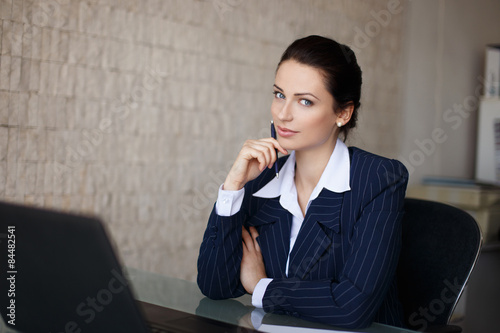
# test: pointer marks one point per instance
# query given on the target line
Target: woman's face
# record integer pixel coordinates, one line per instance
(302, 108)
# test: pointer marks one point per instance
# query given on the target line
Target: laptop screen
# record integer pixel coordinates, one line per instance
(62, 275)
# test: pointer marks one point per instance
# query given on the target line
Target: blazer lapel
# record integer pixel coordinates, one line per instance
(274, 225)
(315, 235)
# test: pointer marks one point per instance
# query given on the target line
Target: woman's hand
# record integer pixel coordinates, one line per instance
(254, 157)
(252, 264)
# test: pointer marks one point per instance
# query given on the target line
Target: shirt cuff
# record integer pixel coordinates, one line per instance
(229, 202)
(259, 291)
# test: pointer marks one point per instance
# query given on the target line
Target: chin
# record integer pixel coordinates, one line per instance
(288, 146)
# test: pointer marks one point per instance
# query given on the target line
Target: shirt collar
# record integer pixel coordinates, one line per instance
(335, 177)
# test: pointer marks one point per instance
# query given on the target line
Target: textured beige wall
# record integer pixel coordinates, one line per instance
(134, 110)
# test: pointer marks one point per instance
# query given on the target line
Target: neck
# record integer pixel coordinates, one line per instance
(311, 163)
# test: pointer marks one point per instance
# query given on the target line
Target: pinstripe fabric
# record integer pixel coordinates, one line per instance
(343, 263)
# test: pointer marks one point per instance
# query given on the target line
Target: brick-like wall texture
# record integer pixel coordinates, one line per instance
(134, 110)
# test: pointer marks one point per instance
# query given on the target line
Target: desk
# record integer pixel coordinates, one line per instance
(185, 296)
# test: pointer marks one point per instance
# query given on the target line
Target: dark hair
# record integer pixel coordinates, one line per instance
(339, 66)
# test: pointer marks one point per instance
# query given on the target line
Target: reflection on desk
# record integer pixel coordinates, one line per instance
(185, 296)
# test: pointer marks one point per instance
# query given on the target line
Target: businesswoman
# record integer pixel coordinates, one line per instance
(321, 241)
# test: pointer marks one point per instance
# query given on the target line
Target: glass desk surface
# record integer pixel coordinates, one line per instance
(185, 296)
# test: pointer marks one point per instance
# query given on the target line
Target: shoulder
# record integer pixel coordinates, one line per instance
(368, 167)
(377, 182)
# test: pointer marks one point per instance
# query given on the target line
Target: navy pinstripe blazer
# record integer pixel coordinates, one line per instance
(342, 266)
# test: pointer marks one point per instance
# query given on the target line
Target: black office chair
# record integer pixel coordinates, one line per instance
(440, 247)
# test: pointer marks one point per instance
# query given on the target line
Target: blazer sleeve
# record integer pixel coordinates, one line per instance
(352, 300)
(220, 256)
(221, 249)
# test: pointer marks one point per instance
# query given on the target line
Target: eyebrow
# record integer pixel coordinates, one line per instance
(297, 94)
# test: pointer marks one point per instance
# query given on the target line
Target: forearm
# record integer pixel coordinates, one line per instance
(322, 301)
(220, 257)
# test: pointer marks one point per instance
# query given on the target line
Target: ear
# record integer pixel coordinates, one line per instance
(345, 114)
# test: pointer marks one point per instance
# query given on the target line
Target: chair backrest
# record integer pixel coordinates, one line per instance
(440, 246)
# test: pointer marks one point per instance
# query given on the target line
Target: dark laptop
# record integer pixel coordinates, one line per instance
(60, 274)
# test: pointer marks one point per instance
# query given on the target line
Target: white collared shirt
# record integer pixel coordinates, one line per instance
(335, 178)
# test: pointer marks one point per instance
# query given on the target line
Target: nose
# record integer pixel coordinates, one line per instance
(285, 113)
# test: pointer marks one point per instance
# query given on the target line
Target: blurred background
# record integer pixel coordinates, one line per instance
(134, 110)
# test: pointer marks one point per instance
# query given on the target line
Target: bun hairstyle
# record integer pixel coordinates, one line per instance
(339, 66)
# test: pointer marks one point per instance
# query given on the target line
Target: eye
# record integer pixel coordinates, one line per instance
(279, 95)
(306, 102)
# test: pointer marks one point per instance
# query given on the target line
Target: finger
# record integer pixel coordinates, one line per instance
(255, 153)
(255, 234)
(268, 147)
(262, 161)
(264, 153)
(272, 145)
(246, 237)
(243, 231)
(250, 239)
(276, 145)
(281, 149)
(253, 231)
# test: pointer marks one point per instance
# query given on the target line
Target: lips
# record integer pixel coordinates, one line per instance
(285, 132)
